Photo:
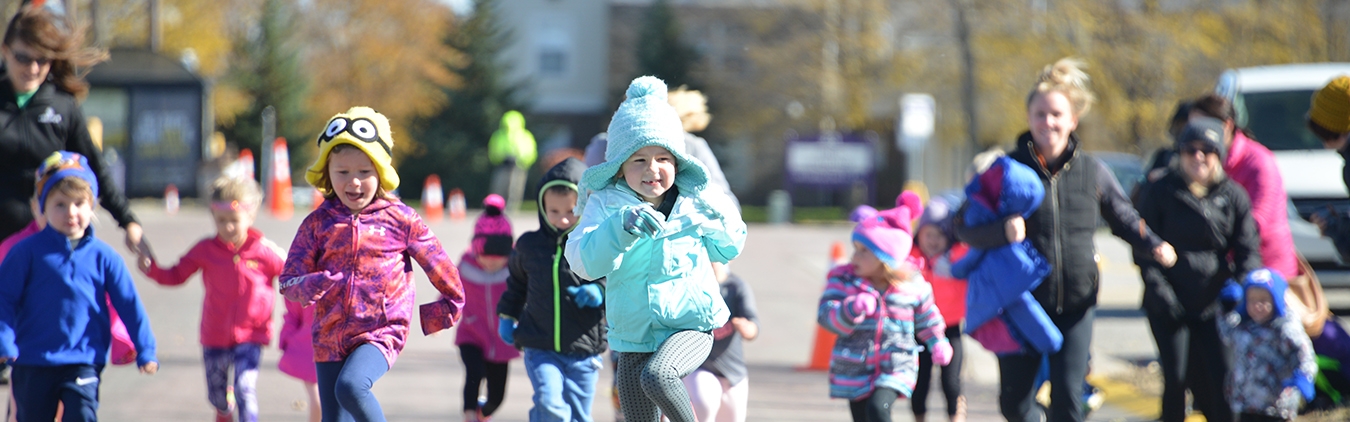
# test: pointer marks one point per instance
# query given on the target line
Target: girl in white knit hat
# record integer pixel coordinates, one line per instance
(650, 202)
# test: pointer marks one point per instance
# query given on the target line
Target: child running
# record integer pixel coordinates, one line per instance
(483, 271)
(351, 259)
(238, 267)
(935, 249)
(297, 353)
(1275, 366)
(550, 311)
(51, 326)
(720, 388)
(653, 228)
(882, 310)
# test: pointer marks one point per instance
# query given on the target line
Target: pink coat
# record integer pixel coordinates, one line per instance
(949, 293)
(237, 307)
(297, 342)
(356, 269)
(1252, 166)
(482, 291)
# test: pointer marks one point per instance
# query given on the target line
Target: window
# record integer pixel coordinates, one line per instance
(552, 61)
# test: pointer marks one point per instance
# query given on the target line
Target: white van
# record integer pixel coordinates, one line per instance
(1272, 102)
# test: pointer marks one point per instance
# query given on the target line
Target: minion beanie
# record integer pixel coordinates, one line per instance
(889, 234)
(367, 130)
(646, 119)
(492, 233)
(61, 165)
(1331, 105)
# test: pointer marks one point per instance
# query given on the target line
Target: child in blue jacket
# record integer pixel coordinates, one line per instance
(653, 228)
(54, 320)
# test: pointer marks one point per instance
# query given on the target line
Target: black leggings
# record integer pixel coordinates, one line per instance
(874, 408)
(475, 370)
(951, 376)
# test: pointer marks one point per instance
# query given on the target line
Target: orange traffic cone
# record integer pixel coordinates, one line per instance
(433, 199)
(317, 201)
(824, 343)
(245, 163)
(281, 201)
(171, 199)
(458, 209)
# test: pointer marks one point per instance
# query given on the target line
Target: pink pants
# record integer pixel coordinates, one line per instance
(715, 400)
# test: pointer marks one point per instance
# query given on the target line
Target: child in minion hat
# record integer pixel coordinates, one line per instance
(650, 203)
(349, 260)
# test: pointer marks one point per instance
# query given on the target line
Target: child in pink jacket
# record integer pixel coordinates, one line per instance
(483, 270)
(297, 352)
(238, 267)
(352, 259)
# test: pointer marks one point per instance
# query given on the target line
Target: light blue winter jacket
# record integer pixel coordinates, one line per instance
(656, 286)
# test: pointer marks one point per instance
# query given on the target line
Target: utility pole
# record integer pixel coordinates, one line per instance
(968, 96)
(154, 25)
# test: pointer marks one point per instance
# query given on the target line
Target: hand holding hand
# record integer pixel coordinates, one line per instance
(587, 295)
(1165, 255)
(942, 353)
(150, 368)
(134, 236)
(1016, 229)
(506, 329)
(642, 220)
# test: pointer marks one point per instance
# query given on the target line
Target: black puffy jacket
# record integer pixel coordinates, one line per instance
(536, 292)
(1215, 239)
(50, 122)
(1076, 191)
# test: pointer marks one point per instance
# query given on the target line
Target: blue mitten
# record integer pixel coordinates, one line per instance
(507, 330)
(641, 220)
(1303, 384)
(1231, 294)
(587, 295)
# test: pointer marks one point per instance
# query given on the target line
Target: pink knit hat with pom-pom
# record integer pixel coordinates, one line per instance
(492, 233)
(889, 234)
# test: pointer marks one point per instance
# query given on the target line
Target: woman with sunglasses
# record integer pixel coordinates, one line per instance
(40, 114)
(1207, 217)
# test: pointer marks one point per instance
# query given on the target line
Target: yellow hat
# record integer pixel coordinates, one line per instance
(364, 128)
(1331, 105)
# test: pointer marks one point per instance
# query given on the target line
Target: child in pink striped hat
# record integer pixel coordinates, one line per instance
(882, 310)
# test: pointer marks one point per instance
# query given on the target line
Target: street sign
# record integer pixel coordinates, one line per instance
(916, 121)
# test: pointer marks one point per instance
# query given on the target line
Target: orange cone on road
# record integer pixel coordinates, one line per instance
(171, 199)
(281, 201)
(317, 201)
(824, 343)
(456, 206)
(433, 199)
(245, 163)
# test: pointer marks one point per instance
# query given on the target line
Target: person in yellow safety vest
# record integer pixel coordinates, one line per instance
(512, 151)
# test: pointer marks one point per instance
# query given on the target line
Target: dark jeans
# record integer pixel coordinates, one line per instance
(37, 390)
(475, 370)
(1192, 357)
(344, 386)
(951, 376)
(1068, 368)
(874, 408)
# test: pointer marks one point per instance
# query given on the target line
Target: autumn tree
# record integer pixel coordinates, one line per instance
(661, 52)
(454, 137)
(266, 68)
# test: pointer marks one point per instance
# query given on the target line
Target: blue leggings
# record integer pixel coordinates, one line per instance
(344, 386)
(243, 359)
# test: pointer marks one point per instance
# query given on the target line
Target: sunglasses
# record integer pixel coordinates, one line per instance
(27, 60)
(1192, 149)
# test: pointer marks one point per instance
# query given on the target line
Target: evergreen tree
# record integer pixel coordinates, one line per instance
(454, 139)
(266, 67)
(661, 52)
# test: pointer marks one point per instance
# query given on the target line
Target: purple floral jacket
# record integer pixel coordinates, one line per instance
(356, 269)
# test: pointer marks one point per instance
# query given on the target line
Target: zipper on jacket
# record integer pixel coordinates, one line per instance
(356, 253)
(492, 322)
(557, 303)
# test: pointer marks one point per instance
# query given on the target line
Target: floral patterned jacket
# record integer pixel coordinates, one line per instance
(356, 269)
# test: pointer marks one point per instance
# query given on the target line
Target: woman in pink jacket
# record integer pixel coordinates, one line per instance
(352, 259)
(484, 273)
(1252, 166)
(238, 266)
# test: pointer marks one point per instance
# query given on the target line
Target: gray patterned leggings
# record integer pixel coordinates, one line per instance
(648, 381)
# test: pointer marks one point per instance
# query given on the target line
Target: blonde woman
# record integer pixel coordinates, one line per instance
(1078, 188)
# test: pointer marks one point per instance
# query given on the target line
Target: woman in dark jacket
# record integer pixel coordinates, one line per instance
(1078, 188)
(1207, 217)
(39, 115)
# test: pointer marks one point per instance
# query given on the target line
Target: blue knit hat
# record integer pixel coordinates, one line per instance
(645, 119)
(61, 165)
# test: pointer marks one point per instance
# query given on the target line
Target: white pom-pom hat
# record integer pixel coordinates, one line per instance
(645, 119)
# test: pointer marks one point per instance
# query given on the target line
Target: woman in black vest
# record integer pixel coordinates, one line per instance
(39, 114)
(1078, 188)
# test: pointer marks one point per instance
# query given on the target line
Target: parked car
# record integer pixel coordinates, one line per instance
(1272, 102)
